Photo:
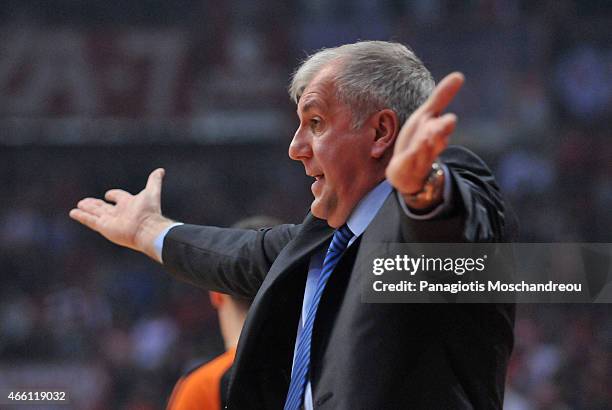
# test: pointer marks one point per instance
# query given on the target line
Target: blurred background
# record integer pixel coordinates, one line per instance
(95, 95)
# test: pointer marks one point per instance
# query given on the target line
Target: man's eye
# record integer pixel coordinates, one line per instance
(315, 123)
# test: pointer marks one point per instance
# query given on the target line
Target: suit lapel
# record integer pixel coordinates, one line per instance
(291, 263)
(314, 233)
(271, 323)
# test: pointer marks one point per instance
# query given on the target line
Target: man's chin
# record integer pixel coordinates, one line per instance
(333, 218)
(317, 211)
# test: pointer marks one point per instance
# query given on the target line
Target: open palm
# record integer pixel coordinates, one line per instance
(123, 218)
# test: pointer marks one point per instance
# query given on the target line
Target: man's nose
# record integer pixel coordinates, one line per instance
(299, 149)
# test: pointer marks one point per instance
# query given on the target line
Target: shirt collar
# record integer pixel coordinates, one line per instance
(368, 207)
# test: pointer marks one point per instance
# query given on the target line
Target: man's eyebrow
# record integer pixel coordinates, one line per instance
(310, 104)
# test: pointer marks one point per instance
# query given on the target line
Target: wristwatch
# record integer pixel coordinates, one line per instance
(432, 189)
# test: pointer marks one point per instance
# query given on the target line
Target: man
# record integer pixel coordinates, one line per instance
(205, 387)
(374, 181)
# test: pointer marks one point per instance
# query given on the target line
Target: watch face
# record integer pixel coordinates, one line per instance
(431, 190)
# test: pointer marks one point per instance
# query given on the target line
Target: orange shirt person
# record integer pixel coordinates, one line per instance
(205, 387)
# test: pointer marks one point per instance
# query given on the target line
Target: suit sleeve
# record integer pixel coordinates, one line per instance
(232, 261)
(476, 197)
(476, 212)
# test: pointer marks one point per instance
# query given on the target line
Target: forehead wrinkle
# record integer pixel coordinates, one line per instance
(312, 103)
(320, 89)
(311, 100)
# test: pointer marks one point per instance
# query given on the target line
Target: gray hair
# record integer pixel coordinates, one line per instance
(373, 75)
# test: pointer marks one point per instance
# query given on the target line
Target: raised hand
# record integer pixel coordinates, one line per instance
(133, 221)
(423, 137)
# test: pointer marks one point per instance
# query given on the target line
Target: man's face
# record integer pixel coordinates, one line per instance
(333, 153)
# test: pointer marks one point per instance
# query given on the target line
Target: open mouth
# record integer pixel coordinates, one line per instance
(317, 185)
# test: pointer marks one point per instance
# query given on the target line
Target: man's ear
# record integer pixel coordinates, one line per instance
(386, 127)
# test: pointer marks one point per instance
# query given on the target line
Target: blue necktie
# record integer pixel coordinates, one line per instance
(301, 365)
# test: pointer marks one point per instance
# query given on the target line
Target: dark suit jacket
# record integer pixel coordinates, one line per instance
(364, 356)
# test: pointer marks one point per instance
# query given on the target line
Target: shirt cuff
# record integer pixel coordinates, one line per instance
(443, 207)
(158, 243)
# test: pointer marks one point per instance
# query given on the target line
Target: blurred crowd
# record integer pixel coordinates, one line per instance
(537, 107)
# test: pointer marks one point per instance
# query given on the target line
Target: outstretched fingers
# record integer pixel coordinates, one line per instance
(442, 128)
(95, 206)
(154, 183)
(116, 195)
(88, 219)
(443, 94)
